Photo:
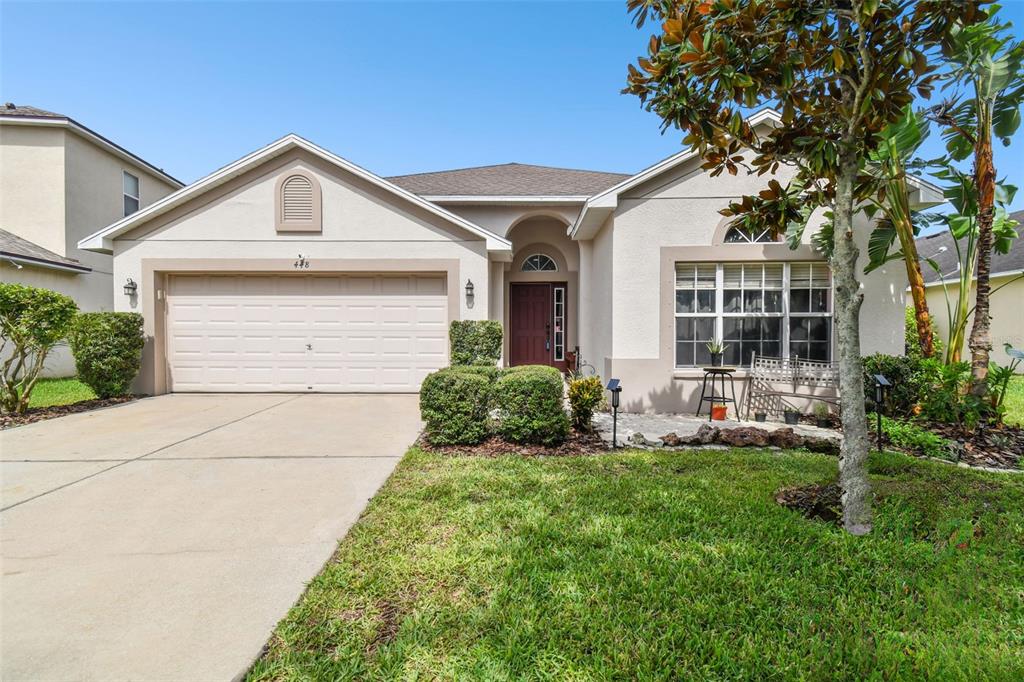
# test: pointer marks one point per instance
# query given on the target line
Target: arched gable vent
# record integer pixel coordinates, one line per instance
(298, 203)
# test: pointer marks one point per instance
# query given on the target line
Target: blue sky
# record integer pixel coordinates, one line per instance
(394, 87)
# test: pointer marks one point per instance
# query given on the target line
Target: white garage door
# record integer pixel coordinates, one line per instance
(334, 333)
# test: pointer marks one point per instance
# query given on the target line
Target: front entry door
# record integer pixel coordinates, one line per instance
(531, 341)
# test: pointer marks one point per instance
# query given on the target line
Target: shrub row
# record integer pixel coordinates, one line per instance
(463, 405)
(475, 342)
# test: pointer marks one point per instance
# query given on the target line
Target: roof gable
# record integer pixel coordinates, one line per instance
(102, 240)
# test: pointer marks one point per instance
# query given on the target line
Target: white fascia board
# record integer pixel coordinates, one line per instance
(924, 194)
(96, 139)
(949, 280)
(48, 264)
(497, 199)
(102, 240)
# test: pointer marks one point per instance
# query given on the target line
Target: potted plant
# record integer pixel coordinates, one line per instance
(760, 416)
(719, 411)
(717, 350)
(791, 416)
(822, 415)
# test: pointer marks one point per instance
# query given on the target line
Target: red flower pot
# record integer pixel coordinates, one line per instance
(719, 412)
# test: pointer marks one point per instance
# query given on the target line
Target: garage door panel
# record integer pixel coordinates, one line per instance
(301, 333)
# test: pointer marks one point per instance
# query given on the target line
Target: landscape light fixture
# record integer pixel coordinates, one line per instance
(882, 387)
(615, 389)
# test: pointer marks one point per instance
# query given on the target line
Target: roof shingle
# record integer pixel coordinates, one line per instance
(509, 179)
(18, 247)
(939, 248)
(12, 109)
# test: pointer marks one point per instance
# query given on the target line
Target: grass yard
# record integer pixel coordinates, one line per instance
(1014, 402)
(664, 566)
(50, 392)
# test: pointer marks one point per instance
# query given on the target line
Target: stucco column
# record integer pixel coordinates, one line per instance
(496, 306)
(585, 335)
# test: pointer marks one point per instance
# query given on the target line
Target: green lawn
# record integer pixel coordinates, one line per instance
(1015, 401)
(50, 392)
(664, 566)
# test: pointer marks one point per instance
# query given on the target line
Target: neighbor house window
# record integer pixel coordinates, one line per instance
(130, 189)
(771, 309)
(539, 263)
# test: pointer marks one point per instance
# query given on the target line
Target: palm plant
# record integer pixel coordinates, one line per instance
(984, 59)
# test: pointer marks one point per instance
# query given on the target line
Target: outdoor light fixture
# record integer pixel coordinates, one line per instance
(469, 290)
(882, 387)
(130, 287)
(615, 389)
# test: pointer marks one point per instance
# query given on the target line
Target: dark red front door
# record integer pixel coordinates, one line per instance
(531, 338)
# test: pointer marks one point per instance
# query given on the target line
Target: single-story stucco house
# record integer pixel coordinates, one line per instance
(1007, 281)
(293, 269)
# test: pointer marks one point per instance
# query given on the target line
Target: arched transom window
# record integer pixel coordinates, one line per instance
(538, 262)
(737, 235)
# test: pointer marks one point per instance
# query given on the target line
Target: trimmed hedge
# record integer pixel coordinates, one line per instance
(454, 405)
(475, 342)
(529, 399)
(108, 350)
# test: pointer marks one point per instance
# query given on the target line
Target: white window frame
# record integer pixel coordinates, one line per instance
(554, 265)
(720, 315)
(124, 191)
(558, 330)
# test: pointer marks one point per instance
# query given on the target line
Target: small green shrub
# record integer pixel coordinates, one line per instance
(945, 398)
(454, 405)
(909, 436)
(911, 342)
(907, 376)
(475, 342)
(529, 400)
(32, 322)
(586, 394)
(108, 350)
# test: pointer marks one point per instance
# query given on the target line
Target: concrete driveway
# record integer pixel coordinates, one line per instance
(163, 539)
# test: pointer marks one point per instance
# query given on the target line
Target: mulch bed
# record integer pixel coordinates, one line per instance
(1000, 448)
(38, 414)
(816, 501)
(579, 443)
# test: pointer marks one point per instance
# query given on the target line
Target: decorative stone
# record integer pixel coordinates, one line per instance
(785, 438)
(744, 436)
(638, 439)
(705, 434)
(826, 446)
(672, 439)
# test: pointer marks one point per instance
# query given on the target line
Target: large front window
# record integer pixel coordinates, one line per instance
(770, 309)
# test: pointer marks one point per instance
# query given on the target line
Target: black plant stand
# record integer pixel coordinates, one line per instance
(719, 373)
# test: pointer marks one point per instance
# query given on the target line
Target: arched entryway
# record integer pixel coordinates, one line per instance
(541, 294)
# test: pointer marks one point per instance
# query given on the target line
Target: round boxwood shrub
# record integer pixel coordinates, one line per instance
(108, 350)
(454, 405)
(530, 403)
(475, 342)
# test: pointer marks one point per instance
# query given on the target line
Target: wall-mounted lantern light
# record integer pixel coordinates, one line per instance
(615, 389)
(882, 387)
(469, 290)
(130, 287)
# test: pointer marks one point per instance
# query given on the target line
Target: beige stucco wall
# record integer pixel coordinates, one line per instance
(32, 199)
(1007, 320)
(360, 223)
(676, 217)
(57, 187)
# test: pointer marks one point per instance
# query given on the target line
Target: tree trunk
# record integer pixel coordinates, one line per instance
(917, 293)
(853, 471)
(980, 341)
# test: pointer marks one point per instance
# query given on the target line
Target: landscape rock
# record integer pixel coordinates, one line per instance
(785, 438)
(826, 446)
(705, 435)
(638, 439)
(672, 439)
(744, 436)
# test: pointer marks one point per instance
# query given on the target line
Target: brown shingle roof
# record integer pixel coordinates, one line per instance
(11, 109)
(939, 248)
(17, 247)
(509, 179)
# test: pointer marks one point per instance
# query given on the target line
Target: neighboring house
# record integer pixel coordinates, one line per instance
(1007, 321)
(295, 270)
(60, 181)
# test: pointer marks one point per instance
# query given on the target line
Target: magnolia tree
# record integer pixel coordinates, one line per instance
(840, 72)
